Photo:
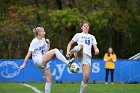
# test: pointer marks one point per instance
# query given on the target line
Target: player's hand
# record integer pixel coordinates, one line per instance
(68, 55)
(48, 41)
(22, 66)
(96, 51)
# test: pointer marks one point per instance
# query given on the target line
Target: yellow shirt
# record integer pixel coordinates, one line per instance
(110, 64)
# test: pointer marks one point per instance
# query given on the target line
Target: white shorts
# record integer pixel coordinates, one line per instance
(85, 59)
(39, 64)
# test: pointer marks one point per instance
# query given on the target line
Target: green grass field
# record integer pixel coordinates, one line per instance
(70, 88)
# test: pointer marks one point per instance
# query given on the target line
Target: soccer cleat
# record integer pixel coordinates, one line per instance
(72, 51)
(70, 62)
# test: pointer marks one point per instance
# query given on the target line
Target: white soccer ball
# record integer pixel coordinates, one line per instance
(74, 68)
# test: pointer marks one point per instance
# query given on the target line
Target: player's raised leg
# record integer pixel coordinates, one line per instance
(54, 52)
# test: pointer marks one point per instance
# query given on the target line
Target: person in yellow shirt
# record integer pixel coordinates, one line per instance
(110, 59)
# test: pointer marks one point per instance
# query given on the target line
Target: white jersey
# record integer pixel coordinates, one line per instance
(38, 48)
(87, 40)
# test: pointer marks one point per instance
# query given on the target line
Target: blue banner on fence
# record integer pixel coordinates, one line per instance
(125, 71)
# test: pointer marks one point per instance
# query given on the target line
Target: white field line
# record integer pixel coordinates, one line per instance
(33, 88)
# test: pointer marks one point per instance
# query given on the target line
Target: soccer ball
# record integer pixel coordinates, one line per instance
(74, 68)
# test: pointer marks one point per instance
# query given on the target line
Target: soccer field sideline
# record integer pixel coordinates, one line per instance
(69, 88)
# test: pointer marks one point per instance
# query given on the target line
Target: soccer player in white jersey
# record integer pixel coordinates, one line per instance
(41, 55)
(82, 51)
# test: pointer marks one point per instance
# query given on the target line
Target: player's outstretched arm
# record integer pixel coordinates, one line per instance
(69, 47)
(25, 60)
(96, 49)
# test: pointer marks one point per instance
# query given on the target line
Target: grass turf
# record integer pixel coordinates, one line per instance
(71, 88)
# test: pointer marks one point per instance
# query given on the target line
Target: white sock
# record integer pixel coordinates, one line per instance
(82, 87)
(48, 87)
(60, 56)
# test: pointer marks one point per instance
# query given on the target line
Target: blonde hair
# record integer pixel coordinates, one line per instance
(37, 29)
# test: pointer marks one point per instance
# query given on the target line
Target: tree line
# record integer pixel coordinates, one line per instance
(114, 23)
